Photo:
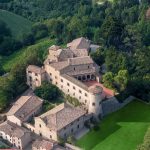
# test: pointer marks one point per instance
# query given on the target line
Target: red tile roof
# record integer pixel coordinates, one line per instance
(108, 92)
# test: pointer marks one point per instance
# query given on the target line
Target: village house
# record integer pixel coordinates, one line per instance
(16, 135)
(74, 72)
(62, 121)
(42, 145)
(24, 109)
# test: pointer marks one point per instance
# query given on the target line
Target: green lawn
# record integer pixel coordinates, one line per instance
(122, 130)
(16, 23)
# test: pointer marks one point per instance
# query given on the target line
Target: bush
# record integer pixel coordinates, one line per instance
(72, 100)
(47, 91)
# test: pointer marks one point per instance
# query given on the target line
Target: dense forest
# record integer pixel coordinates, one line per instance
(121, 28)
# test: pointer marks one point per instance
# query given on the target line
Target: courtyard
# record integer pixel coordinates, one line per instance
(122, 130)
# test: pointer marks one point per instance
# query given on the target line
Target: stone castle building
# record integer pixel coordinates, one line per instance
(74, 72)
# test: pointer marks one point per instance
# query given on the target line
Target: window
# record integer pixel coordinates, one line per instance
(86, 94)
(74, 69)
(73, 94)
(68, 90)
(79, 97)
(36, 74)
(30, 78)
(50, 74)
(61, 80)
(62, 86)
(40, 125)
(71, 130)
(88, 67)
(36, 79)
(29, 72)
(74, 87)
(78, 126)
(93, 104)
(85, 101)
(55, 77)
(50, 136)
(68, 84)
(56, 83)
(80, 91)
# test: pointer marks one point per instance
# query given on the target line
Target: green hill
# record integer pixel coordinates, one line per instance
(16, 23)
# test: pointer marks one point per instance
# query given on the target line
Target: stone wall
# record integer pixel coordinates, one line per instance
(112, 105)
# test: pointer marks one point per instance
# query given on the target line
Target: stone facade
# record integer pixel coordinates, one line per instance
(71, 69)
(62, 121)
(16, 135)
(24, 109)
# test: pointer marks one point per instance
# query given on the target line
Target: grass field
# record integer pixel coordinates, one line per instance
(122, 130)
(16, 23)
(12, 60)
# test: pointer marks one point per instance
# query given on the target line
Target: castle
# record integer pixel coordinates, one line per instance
(74, 72)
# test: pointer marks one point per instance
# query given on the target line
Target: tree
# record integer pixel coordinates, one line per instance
(39, 30)
(48, 92)
(112, 30)
(98, 56)
(121, 80)
(108, 80)
(115, 60)
(28, 39)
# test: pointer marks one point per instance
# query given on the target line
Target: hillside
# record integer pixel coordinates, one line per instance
(16, 23)
(23, 53)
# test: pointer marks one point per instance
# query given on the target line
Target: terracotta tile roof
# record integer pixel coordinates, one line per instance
(80, 60)
(82, 72)
(24, 106)
(35, 69)
(12, 129)
(75, 81)
(108, 92)
(79, 43)
(42, 144)
(61, 116)
(60, 65)
(95, 89)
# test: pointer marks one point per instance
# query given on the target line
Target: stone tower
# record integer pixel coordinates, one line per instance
(96, 96)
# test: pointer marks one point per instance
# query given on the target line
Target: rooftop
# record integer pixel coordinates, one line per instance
(12, 129)
(108, 92)
(24, 106)
(79, 43)
(43, 144)
(35, 69)
(80, 60)
(61, 116)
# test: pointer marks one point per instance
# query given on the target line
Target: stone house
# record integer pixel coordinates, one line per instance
(42, 145)
(24, 109)
(74, 72)
(62, 121)
(16, 135)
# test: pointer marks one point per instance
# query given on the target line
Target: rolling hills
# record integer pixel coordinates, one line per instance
(16, 23)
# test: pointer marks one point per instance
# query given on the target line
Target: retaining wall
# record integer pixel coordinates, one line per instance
(112, 105)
